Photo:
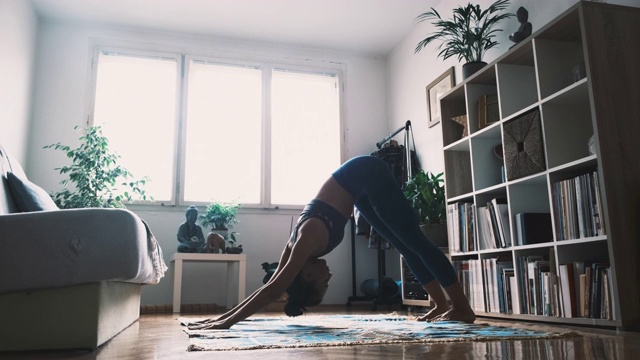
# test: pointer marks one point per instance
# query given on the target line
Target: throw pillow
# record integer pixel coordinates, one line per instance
(29, 196)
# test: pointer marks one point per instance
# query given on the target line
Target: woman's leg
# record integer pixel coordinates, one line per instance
(386, 209)
(417, 266)
(389, 206)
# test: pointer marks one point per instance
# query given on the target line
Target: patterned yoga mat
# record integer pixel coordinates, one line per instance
(347, 330)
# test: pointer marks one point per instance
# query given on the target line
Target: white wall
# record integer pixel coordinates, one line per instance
(18, 26)
(409, 74)
(60, 103)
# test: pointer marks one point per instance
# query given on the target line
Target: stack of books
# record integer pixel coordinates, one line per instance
(577, 207)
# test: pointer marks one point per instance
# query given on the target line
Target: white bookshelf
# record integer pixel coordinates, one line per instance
(537, 74)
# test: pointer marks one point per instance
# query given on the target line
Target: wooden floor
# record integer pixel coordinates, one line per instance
(160, 336)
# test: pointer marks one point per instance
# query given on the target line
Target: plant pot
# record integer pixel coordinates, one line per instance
(221, 231)
(471, 68)
(437, 233)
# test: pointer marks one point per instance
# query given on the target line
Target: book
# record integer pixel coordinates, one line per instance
(524, 287)
(540, 267)
(582, 295)
(491, 288)
(605, 310)
(515, 296)
(493, 225)
(451, 228)
(535, 267)
(501, 265)
(509, 287)
(595, 299)
(567, 290)
(598, 204)
(484, 242)
(548, 293)
(533, 228)
(502, 218)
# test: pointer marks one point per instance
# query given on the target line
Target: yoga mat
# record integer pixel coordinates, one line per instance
(348, 330)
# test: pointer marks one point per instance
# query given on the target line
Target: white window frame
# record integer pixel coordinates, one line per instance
(183, 59)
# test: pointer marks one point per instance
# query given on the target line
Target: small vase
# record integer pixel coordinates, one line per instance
(471, 68)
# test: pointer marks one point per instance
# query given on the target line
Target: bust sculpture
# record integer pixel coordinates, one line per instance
(525, 26)
(190, 234)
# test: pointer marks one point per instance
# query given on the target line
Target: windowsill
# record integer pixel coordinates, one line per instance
(244, 210)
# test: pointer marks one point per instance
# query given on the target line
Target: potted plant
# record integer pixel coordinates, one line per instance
(425, 192)
(96, 175)
(468, 35)
(221, 217)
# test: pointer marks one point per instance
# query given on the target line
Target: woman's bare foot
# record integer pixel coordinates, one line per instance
(436, 311)
(454, 314)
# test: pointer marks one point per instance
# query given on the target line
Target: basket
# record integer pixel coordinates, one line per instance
(523, 146)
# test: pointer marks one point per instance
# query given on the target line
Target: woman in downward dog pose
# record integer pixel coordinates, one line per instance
(367, 183)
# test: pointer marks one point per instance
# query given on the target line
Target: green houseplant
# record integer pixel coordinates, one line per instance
(467, 35)
(425, 192)
(97, 179)
(221, 217)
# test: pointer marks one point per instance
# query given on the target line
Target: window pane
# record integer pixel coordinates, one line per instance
(136, 106)
(223, 145)
(305, 142)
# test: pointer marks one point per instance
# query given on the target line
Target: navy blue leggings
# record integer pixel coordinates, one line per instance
(383, 204)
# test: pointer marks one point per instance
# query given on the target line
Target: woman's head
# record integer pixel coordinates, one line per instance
(308, 288)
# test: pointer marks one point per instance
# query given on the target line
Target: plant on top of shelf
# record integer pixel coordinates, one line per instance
(221, 217)
(96, 175)
(468, 35)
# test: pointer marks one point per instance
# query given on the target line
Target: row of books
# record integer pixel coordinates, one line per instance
(460, 227)
(578, 289)
(538, 286)
(494, 231)
(586, 290)
(577, 207)
(487, 283)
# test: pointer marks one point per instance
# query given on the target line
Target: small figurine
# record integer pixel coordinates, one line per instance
(190, 234)
(270, 269)
(215, 243)
(525, 26)
(234, 250)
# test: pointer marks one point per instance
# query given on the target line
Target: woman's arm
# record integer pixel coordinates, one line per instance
(293, 261)
(283, 260)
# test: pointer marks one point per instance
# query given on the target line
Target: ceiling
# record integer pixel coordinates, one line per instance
(365, 26)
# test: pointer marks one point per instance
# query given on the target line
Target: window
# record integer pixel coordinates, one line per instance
(223, 126)
(203, 130)
(136, 105)
(304, 146)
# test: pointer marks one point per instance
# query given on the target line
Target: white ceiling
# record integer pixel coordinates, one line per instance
(364, 26)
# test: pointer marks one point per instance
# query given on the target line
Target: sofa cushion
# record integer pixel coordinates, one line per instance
(29, 196)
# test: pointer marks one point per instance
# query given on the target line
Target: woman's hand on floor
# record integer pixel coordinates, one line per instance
(209, 324)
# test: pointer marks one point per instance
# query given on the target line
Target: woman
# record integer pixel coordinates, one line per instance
(367, 183)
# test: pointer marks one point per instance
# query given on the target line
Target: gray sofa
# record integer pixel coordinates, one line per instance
(68, 278)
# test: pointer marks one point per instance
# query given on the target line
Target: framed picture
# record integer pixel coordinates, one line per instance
(435, 90)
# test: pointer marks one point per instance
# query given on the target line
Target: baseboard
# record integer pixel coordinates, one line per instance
(184, 308)
(275, 307)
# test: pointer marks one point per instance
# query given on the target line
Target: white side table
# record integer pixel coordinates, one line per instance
(230, 259)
